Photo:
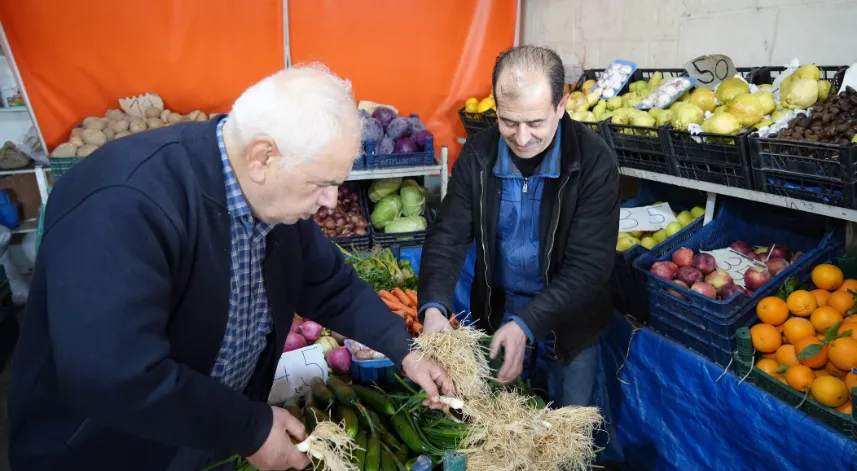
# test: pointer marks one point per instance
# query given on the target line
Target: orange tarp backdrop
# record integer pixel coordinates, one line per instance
(425, 56)
(78, 57)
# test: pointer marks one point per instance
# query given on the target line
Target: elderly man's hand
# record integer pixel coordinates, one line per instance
(278, 452)
(430, 376)
(514, 342)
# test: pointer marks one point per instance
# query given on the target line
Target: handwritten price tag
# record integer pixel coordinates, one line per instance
(709, 71)
(734, 263)
(294, 372)
(645, 218)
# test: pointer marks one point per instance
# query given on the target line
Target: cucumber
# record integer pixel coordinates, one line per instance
(375, 400)
(373, 454)
(344, 413)
(398, 459)
(403, 427)
(387, 461)
(390, 440)
(312, 417)
(295, 411)
(360, 452)
(322, 395)
(342, 391)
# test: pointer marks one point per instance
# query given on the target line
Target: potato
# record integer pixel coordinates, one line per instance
(85, 150)
(76, 132)
(119, 126)
(151, 112)
(94, 136)
(175, 118)
(77, 140)
(114, 115)
(202, 117)
(154, 123)
(165, 115)
(121, 134)
(66, 149)
(137, 125)
(95, 123)
(193, 115)
(109, 133)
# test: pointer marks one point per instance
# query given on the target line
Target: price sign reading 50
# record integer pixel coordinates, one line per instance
(295, 371)
(645, 218)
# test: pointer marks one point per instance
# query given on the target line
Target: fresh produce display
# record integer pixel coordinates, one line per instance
(404, 304)
(399, 205)
(381, 270)
(393, 134)
(667, 93)
(807, 337)
(347, 219)
(587, 106)
(649, 240)
(699, 271)
(613, 80)
(306, 332)
(832, 120)
(475, 105)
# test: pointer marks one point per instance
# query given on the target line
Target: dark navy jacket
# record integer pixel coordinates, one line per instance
(129, 304)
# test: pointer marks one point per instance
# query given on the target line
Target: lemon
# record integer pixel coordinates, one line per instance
(472, 100)
(471, 107)
(484, 105)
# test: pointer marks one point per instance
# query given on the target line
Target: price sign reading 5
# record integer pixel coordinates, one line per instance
(295, 371)
(645, 218)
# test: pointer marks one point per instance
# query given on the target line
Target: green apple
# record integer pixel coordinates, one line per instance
(637, 234)
(626, 243)
(622, 235)
(649, 242)
(660, 235)
(697, 211)
(684, 218)
(673, 228)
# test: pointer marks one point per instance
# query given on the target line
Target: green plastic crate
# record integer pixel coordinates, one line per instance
(744, 362)
(60, 165)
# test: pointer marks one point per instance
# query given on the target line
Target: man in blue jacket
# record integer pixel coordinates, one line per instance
(170, 268)
(539, 195)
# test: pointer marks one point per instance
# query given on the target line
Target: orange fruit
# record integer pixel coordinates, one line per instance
(827, 276)
(797, 328)
(799, 377)
(848, 285)
(851, 380)
(772, 310)
(842, 353)
(824, 318)
(816, 361)
(769, 356)
(768, 366)
(820, 297)
(786, 355)
(850, 319)
(766, 338)
(829, 391)
(819, 373)
(801, 303)
(848, 327)
(842, 301)
(845, 408)
(833, 370)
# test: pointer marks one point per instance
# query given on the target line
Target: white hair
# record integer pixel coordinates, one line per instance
(303, 109)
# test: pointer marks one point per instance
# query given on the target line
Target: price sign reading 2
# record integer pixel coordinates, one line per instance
(646, 218)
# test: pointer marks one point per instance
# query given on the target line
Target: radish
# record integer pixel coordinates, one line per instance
(296, 324)
(311, 330)
(339, 359)
(294, 341)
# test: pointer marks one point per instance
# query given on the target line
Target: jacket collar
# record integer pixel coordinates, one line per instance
(200, 140)
(549, 167)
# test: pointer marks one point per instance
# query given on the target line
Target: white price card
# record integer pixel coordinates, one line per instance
(646, 218)
(733, 262)
(709, 71)
(295, 371)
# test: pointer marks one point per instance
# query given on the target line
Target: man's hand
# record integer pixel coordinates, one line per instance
(278, 452)
(430, 376)
(435, 321)
(514, 342)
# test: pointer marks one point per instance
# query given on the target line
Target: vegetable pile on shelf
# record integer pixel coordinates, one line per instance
(399, 205)
(393, 134)
(832, 120)
(347, 219)
(808, 337)
(381, 270)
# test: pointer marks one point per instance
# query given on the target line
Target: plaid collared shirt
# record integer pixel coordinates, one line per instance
(249, 320)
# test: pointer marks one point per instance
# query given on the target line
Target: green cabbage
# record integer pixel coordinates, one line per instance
(386, 187)
(406, 224)
(413, 198)
(388, 209)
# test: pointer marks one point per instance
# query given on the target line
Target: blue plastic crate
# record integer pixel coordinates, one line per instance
(415, 159)
(688, 337)
(627, 285)
(359, 164)
(373, 371)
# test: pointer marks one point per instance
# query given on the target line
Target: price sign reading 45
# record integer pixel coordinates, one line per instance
(711, 70)
(294, 372)
(645, 218)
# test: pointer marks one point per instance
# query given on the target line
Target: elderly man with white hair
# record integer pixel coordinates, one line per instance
(170, 268)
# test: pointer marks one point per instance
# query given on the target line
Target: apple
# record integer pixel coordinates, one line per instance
(660, 235)
(684, 218)
(780, 251)
(626, 243)
(753, 256)
(683, 257)
(761, 251)
(704, 289)
(730, 290)
(718, 279)
(648, 242)
(673, 228)
(755, 277)
(675, 293)
(741, 246)
(704, 262)
(665, 269)
(636, 234)
(697, 211)
(689, 275)
(776, 265)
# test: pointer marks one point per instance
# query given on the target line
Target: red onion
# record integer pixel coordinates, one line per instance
(329, 223)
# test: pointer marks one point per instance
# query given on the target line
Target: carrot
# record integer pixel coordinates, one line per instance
(387, 296)
(396, 306)
(418, 328)
(409, 321)
(403, 298)
(454, 323)
(412, 295)
(401, 313)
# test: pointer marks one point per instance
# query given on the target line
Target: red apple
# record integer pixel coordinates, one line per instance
(741, 246)
(776, 265)
(683, 257)
(675, 293)
(704, 289)
(689, 275)
(665, 269)
(728, 291)
(780, 251)
(753, 256)
(704, 262)
(718, 279)
(755, 277)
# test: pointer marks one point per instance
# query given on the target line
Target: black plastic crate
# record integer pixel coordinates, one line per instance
(640, 147)
(767, 75)
(814, 172)
(400, 239)
(716, 159)
(475, 122)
